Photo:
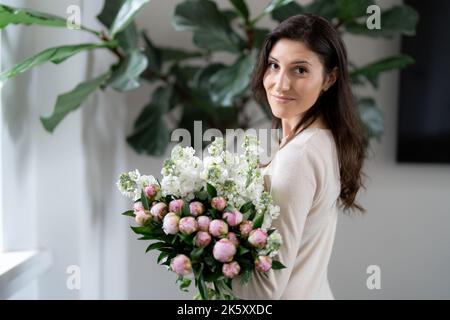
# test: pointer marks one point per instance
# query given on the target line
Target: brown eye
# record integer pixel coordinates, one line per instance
(301, 70)
(272, 64)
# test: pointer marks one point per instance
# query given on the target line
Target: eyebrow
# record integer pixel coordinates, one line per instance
(293, 62)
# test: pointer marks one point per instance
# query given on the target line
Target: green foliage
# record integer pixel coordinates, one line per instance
(215, 93)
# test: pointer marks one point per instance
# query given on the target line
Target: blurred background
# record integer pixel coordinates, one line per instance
(60, 208)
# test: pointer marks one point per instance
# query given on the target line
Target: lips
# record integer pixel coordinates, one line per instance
(282, 99)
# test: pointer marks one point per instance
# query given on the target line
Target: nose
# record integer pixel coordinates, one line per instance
(282, 82)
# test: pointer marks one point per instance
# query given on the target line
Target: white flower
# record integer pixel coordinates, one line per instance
(128, 183)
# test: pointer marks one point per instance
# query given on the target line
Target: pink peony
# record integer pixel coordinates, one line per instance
(141, 217)
(203, 223)
(233, 218)
(176, 206)
(202, 239)
(246, 227)
(196, 208)
(151, 190)
(257, 238)
(224, 250)
(263, 263)
(138, 206)
(233, 238)
(231, 270)
(170, 223)
(218, 203)
(158, 210)
(188, 225)
(218, 228)
(181, 265)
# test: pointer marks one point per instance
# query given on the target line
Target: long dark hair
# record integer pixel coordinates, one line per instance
(336, 105)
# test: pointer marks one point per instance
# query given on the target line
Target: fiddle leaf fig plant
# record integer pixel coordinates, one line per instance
(190, 85)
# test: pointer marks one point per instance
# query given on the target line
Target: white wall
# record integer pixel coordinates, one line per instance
(60, 190)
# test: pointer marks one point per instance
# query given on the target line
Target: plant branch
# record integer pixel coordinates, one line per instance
(103, 36)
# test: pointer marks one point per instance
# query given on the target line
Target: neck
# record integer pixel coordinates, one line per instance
(289, 124)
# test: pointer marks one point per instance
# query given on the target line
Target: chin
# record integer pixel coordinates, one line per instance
(281, 114)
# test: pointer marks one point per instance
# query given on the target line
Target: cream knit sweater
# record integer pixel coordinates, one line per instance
(303, 179)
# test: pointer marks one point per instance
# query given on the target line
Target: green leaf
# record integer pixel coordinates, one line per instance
(153, 56)
(245, 277)
(324, 8)
(184, 283)
(128, 38)
(259, 36)
(161, 256)
(210, 26)
(201, 195)
(258, 220)
(286, 11)
(12, 15)
(146, 230)
(189, 239)
(371, 117)
(273, 5)
(144, 200)
(242, 250)
(196, 253)
(71, 100)
(211, 190)
(373, 70)
(398, 20)
(351, 9)
(185, 211)
(229, 83)
(241, 8)
(125, 15)
(277, 265)
(55, 55)
(125, 76)
(202, 288)
(172, 54)
(129, 213)
(150, 131)
(156, 245)
(246, 206)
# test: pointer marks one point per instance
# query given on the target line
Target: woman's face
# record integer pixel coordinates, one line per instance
(294, 79)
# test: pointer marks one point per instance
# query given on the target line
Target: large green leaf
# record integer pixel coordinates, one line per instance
(153, 54)
(398, 20)
(230, 82)
(173, 54)
(150, 134)
(373, 70)
(351, 9)
(371, 117)
(241, 8)
(71, 100)
(128, 38)
(325, 8)
(10, 15)
(286, 11)
(210, 26)
(275, 4)
(259, 36)
(125, 15)
(125, 77)
(55, 55)
(272, 6)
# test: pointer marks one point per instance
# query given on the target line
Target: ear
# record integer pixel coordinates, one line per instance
(330, 79)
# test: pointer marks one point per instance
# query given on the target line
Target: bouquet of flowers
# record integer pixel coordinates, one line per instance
(211, 218)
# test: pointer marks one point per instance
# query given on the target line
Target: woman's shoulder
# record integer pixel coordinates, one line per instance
(311, 141)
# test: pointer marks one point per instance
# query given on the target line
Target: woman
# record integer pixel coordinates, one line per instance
(302, 74)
